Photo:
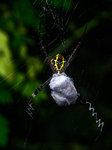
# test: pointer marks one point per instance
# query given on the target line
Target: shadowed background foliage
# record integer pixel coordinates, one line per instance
(23, 69)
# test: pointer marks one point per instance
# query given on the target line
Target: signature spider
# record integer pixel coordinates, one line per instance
(62, 87)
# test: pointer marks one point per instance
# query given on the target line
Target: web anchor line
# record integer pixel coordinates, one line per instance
(100, 124)
(29, 110)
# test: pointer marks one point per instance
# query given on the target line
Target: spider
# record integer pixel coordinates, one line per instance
(62, 87)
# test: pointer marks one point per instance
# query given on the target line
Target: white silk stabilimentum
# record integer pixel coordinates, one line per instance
(63, 89)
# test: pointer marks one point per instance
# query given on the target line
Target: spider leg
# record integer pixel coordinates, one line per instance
(71, 57)
(44, 51)
(84, 102)
(38, 90)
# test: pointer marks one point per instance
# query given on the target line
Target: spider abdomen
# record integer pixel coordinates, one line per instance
(63, 89)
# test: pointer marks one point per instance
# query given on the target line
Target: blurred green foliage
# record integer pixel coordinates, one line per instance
(4, 131)
(23, 69)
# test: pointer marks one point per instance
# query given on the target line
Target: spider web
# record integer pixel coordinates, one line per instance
(62, 25)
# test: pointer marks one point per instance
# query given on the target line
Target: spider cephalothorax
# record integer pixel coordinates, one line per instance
(58, 63)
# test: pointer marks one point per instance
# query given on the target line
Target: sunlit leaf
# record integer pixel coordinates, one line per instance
(6, 61)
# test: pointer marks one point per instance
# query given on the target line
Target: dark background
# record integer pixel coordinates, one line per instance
(23, 69)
